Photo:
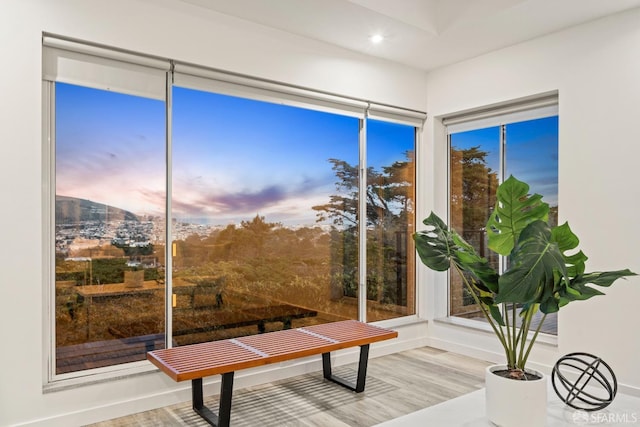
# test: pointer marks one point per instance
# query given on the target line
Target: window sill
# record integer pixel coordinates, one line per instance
(399, 321)
(478, 325)
(96, 376)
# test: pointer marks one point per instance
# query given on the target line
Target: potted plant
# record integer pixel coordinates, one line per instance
(541, 275)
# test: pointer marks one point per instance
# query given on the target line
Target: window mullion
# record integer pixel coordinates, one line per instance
(362, 225)
(48, 126)
(503, 167)
(502, 260)
(168, 247)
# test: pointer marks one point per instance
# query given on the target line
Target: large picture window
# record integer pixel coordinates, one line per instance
(519, 140)
(189, 207)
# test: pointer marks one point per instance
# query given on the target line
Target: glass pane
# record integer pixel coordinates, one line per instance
(264, 216)
(390, 220)
(532, 157)
(109, 227)
(475, 165)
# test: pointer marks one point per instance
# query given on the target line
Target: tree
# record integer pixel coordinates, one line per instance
(343, 206)
(473, 190)
(389, 208)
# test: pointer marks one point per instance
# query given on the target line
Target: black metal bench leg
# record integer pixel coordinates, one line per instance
(223, 418)
(358, 387)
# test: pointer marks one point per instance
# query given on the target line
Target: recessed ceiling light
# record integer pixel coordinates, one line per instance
(376, 38)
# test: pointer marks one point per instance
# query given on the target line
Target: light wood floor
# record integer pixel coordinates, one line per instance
(396, 385)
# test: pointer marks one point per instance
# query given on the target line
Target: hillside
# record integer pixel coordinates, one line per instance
(72, 210)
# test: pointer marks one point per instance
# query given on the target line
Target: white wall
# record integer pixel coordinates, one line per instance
(596, 70)
(167, 28)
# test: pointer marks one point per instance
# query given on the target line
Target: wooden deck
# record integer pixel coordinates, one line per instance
(133, 340)
(98, 354)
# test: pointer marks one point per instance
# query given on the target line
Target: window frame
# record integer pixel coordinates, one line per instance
(66, 61)
(499, 115)
(102, 57)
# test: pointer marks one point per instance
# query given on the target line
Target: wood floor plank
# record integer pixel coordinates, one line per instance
(397, 384)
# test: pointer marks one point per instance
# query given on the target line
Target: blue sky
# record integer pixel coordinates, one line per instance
(531, 152)
(232, 158)
(235, 157)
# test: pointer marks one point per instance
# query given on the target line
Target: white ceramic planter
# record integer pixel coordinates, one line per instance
(513, 403)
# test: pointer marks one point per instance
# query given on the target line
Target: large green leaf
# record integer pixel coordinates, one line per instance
(533, 264)
(513, 212)
(575, 263)
(577, 290)
(604, 278)
(565, 238)
(438, 247)
(435, 244)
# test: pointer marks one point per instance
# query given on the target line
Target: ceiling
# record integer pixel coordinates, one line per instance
(420, 33)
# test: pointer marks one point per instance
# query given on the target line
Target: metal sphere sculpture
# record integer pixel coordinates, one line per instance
(584, 381)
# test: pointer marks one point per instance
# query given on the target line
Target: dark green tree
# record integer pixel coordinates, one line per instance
(389, 208)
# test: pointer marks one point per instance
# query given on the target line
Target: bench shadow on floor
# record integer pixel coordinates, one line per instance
(397, 384)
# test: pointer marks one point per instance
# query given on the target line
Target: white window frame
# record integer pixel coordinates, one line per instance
(497, 115)
(96, 66)
(93, 66)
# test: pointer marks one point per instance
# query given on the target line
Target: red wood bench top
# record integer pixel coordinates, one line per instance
(218, 357)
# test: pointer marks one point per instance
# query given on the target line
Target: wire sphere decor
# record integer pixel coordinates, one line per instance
(584, 381)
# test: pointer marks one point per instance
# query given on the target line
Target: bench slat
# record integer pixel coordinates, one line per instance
(350, 330)
(283, 342)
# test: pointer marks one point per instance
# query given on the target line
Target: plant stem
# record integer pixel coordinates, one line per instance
(513, 319)
(499, 332)
(516, 338)
(524, 333)
(533, 339)
(511, 360)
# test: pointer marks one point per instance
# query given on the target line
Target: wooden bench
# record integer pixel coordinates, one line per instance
(196, 361)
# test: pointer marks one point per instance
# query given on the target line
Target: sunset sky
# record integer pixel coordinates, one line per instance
(232, 158)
